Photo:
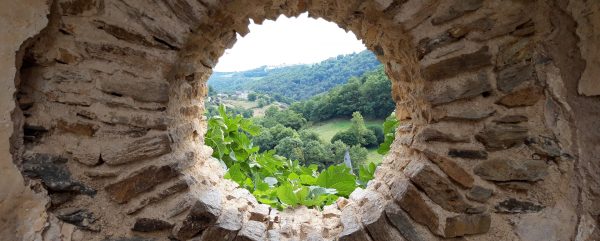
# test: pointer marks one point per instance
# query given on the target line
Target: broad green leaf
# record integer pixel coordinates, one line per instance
(338, 177)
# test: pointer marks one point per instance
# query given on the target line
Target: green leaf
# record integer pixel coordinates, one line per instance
(338, 177)
(286, 194)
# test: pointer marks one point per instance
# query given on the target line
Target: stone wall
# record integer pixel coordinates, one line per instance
(497, 98)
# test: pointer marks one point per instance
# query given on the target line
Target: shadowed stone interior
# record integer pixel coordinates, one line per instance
(498, 103)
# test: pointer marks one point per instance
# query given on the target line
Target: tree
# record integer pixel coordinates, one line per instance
(252, 96)
(307, 136)
(316, 153)
(262, 103)
(358, 155)
(338, 149)
(270, 137)
(378, 132)
(357, 134)
(291, 148)
(346, 137)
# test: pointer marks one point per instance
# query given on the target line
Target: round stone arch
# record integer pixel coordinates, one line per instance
(112, 97)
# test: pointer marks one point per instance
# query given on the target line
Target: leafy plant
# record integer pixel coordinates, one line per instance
(273, 179)
(389, 130)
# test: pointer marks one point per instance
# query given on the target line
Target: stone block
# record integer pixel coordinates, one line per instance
(451, 168)
(252, 231)
(352, 227)
(139, 182)
(467, 153)
(429, 134)
(402, 222)
(479, 194)
(53, 172)
(159, 196)
(375, 220)
(150, 225)
(464, 224)
(204, 212)
(226, 228)
(502, 136)
(513, 76)
(454, 66)
(410, 200)
(468, 87)
(524, 97)
(127, 84)
(512, 170)
(456, 9)
(437, 187)
(137, 150)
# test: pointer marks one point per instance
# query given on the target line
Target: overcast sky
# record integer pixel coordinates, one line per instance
(288, 41)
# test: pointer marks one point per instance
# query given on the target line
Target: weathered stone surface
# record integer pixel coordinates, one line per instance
(468, 88)
(77, 128)
(476, 210)
(544, 146)
(454, 66)
(353, 230)
(79, 7)
(226, 228)
(517, 51)
(402, 222)
(512, 119)
(177, 187)
(139, 182)
(426, 45)
(516, 185)
(587, 15)
(375, 221)
(205, 211)
(53, 172)
(431, 135)
(79, 217)
(524, 97)
(252, 231)
(438, 188)
(467, 224)
(130, 239)
(150, 225)
(260, 213)
(138, 150)
(512, 205)
(513, 76)
(457, 8)
(467, 153)
(512, 170)
(451, 168)
(411, 201)
(128, 35)
(502, 136)
(127, 84)
(479, 194)
(101, 173)
(466, 115)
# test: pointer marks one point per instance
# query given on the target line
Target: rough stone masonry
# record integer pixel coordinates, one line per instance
(101, 127)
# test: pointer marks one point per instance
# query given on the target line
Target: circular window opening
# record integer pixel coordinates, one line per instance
(299, 112)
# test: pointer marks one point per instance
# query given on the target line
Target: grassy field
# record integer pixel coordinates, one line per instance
(327, 130)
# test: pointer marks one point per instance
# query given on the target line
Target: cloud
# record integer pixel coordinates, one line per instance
(288, 41)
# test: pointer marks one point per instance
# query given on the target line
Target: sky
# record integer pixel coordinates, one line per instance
(287, 41)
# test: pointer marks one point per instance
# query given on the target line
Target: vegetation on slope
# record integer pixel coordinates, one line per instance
(296, 82)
